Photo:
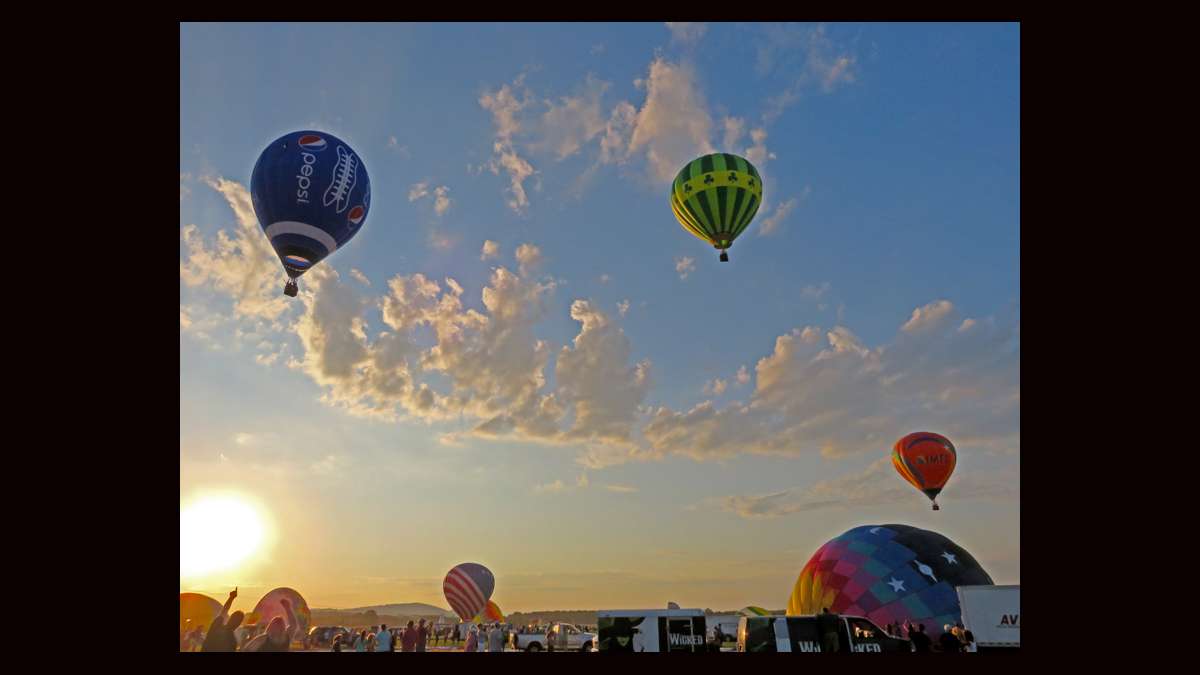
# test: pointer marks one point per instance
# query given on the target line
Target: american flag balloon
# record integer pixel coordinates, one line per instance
(468, 587)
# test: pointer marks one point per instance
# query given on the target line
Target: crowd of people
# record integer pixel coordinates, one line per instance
(227, 633)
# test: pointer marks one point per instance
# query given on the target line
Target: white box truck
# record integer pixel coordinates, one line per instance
(993, 615)
(651, 630)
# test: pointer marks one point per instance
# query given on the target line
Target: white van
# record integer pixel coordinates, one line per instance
(651, 630)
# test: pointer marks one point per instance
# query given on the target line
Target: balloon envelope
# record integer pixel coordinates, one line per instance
(269, 607)
(753, 611)
(468, 587)
(490, 613)
(199, 608)
(888, 573)
(715, 197)
(311, 194)
(925, 460)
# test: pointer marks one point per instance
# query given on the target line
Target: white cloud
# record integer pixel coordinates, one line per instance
(491, 250)
(359, 277)
(505, 107)
(242, 265)
(566, 126)
(441, 195)
(825, 65)
(184, 190)
(604, 278)
(742, 378)
(929, 316)
(394, 145)
(418, 190)
(684, 266)
(442, 240)
(529, 259)
(623, 307)
(614, 146)
(758, 153)
(771, 224)
(875, 485)
(557, 487)
(673, 125)
(827, 393)
(442, 200)
(735, 128)
(815, 292)
(593, 376)
(597, 49)
(716, 387)
(686, 32)
(620, 488)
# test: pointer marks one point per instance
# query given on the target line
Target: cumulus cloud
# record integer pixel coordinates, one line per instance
(592, 376)
(875, 485)
(490, 251)
(618, 130)
(758, 153)
(359, 277)
(771, 224)
(604, 278)
(529, 258)
(742, 378)
(440, 194)
(505, 107)
(623, 307)
(242, 264)
(673, 125)
(735, 128)
(686, 32)
(573, 121)
(716, 387)
(684, 266)
(825, 392)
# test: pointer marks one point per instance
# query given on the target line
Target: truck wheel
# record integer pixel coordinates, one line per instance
(587, 647)
(534, 647)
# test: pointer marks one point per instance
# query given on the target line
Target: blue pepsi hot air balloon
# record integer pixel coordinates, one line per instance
(311, 195)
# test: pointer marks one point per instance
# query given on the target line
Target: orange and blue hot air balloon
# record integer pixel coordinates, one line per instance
(311, 194)
(926, 460)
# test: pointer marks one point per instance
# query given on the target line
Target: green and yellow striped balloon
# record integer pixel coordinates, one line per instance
(715, 197)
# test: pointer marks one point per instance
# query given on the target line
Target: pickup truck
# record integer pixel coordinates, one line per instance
(856, 634)
(561, 637)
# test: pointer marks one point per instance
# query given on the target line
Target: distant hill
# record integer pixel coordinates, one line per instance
(395, 609)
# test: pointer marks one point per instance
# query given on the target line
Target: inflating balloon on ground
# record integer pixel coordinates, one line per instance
(889, 574)
(468, 587)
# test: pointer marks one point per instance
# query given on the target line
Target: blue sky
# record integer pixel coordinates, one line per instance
(876, 293)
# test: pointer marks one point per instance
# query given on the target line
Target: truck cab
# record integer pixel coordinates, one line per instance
(856, 634)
